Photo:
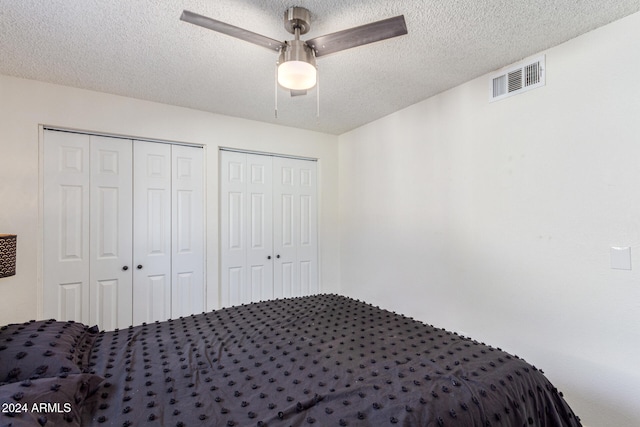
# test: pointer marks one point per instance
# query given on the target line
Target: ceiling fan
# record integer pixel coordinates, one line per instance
(297, 61)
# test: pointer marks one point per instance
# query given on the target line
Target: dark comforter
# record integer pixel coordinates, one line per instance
(325, 360)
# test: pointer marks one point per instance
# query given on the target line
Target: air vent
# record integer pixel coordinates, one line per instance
(518, 78)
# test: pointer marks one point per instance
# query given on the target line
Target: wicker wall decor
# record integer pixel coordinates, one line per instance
(8, 246)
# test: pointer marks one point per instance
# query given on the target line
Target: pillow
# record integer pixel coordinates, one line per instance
(42, 349)
(46, 401)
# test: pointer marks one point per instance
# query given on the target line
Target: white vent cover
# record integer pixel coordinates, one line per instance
(518, 78)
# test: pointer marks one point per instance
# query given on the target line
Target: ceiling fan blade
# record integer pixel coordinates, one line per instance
(358, 36)
(230, 30)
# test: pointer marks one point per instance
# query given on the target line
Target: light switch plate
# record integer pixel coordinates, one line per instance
(621, 258)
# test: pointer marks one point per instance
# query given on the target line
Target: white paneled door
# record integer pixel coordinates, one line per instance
(268, 217)
(152, 232)
(246, 222)
(110, 225)
(295, 228)
(187, 231)
(66, 226)
(123, 230)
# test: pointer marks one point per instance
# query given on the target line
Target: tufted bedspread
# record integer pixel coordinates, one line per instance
(323, 360)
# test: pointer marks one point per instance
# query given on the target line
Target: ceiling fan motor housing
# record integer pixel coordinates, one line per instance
(297, 50)
(297, 66)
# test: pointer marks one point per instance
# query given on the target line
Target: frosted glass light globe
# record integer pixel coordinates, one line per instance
(297, 75)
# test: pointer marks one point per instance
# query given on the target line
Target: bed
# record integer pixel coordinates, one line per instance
(324, 360)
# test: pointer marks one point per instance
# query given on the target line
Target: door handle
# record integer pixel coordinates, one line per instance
(125, 268)
(139, 267)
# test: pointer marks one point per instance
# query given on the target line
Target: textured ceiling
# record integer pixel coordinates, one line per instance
(140, 49)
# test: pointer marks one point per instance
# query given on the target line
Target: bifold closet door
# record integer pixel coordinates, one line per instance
(246, 228)
(66, 226)
(187, 231)
(152, 232)
(268, 227)
(110, 225)
(87, 228)
(168, 231)
(295, 227)
(123, 230)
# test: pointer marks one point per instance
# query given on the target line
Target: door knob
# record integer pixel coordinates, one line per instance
(277, 256)
(268, 256)
(139, 267)
(125, 268)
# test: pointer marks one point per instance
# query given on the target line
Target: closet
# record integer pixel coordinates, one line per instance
(268, 220)
(123, 229)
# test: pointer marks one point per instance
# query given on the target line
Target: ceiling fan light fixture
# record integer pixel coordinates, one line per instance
(297, 75)
(297, 66)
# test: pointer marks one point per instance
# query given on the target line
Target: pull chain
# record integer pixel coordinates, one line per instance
(276, 92)
(317, 94)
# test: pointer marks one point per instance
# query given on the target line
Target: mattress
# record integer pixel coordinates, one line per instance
(324, 360)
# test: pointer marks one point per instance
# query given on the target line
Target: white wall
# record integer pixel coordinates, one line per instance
(496, 219)
(25, 104)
